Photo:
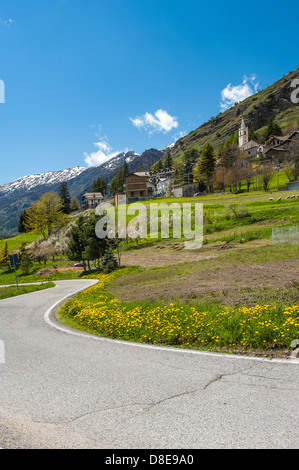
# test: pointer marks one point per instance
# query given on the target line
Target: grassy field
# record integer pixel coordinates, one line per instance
(53, 270)
(234, 218)
(237, 293)
(8, 277)
(14, 243)
(13, 291)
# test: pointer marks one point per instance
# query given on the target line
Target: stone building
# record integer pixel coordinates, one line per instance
(185, 190)
(277, 149)
(280, 149)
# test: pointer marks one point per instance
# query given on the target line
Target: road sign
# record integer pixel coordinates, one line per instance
(14, 261)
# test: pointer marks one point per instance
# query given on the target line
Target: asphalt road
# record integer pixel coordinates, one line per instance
(60, 389)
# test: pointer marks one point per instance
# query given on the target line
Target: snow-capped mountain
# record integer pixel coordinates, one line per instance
(117, 161)
(49, 178)
(19, 194)
(168, 147)
(44, 179)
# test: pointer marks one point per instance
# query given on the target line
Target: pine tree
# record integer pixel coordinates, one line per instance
(271, 130)
(157, 166)
(114, 185)
(168, 161)
(177, 173)
(251, 134)
(125, 169)
(95, 247)
(65, 197)
(99, 185)
(77, 243)
(109, 262)
(235, 139)
(191, 155)
(207, 163)
(187, 172)
(22, 222)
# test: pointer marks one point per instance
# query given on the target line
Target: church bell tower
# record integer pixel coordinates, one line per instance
(243, 135)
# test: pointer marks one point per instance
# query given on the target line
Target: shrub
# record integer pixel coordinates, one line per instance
(109, 262)
(236, 211)
(26, 262)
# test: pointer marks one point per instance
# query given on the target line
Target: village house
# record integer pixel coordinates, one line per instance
(251, 149)
(147, 184)
(274, 141)
(92, 200)
(139, 186)
(277, 149)
(277, 155)
(163, 186)
(280, 149)
(185, 190)
(163, 173)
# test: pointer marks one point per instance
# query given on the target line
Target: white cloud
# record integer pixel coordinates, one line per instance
(103, 154)
(180, 135)
(233, 94)
(8, 22)
(161, 121)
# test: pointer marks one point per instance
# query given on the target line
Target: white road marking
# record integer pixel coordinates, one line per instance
(51, 312)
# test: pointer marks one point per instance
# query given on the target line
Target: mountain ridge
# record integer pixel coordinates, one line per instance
(48, 177)
(20, 193)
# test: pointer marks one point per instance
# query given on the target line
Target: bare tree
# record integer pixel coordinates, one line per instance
(266, 171)
(248, 173)
(291, 167)
(219, 178)
(229, 155)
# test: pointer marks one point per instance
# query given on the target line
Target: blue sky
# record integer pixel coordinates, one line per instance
(87, 79)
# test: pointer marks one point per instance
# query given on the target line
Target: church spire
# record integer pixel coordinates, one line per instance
(243, 135)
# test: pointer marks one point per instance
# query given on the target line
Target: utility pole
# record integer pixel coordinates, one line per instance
(278, 168)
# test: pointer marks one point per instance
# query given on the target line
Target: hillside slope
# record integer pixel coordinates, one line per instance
(274, 101)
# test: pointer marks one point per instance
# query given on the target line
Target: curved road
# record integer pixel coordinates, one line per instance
(61, 389)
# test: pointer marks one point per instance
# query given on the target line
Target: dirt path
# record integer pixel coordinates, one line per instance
(229, 282)
(174, 253)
